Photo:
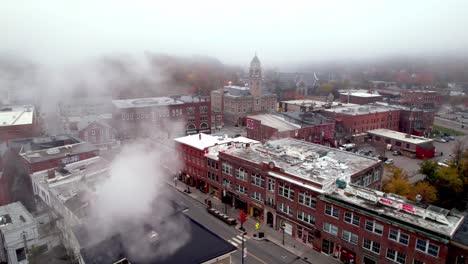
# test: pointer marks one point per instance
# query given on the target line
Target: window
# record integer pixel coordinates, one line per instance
(257, 196)
(396, 256)
(227, 183)
(191, 127)
(226, 168)
(332, 211)
(286, 191)
(270, 201)
(203, 109)
(258, 180)
(306, 217)
(367, 180)
(203, 118)
(376, 176)
(307, 200)
(371, 246)
(241, 189)
(398, 143)
(20, 254)
(377, 138)
(350, 218)
(285, 208)
(426, 247)
(415, 261)
(191, 119)
(271, 185)
(190, 110)
(212, 176)
(350, 237)
(372, 226)
(329, 228)
(241, 174)
(397, 236)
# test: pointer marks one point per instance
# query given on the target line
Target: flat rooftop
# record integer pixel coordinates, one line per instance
(13, 216)
(40, 143)
(361, 94)
(361, 109)
(202, 141)
(58, 152)
(311, 162)
(275, 121)
(399, 136)
(146, 102)
(423, 218)
(309, 102)
(16, 115)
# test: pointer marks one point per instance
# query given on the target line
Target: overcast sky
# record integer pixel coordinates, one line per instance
(279, 31)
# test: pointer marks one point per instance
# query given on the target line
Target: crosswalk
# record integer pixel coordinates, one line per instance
(237, 240)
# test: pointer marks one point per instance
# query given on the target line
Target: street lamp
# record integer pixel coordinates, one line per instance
(187, 182)
(283, 226)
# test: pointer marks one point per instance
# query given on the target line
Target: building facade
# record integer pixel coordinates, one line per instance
(18, 122)
(308, 126)
(146, 117)
(421, 98)
(98, 133)
(352, 123)
(409, 145)
(237, 102)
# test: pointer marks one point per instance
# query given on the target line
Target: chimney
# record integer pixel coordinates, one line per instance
(51, 174)
(199, 136)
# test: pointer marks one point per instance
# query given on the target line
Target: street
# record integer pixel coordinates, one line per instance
(258, 251)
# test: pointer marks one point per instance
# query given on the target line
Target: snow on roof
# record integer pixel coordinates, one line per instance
(202, 141)
(309, 102)
(399, 136)
(311, 162)
(14, 216)
(361, 109)
(276, 122)
(146, 102)
(400, 210)
(243, 88)
(361, 94)
(16, 115)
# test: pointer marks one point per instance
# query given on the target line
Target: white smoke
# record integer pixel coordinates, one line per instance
(133, 201)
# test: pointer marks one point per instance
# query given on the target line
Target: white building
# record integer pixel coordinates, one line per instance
(19, 232)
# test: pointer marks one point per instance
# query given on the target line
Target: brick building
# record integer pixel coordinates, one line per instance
(237, 102)
(421, 98)
(317, 196)
(373, 227)
(308, 126)
(179, 115)
(359, 97)
(352, 123)
(409, 145)
(18, 122)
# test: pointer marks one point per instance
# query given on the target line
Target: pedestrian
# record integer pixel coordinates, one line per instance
(175, 181)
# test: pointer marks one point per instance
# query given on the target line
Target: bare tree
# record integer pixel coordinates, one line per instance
(457, 153)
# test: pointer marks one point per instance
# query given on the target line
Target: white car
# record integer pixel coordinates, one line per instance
(441, 164)
(389, 161)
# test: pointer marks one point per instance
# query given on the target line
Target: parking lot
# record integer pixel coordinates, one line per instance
(412, 165)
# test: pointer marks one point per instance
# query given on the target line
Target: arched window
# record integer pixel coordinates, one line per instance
(203, 125)
(191, 127)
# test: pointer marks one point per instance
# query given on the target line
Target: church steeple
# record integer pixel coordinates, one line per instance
(255, 77)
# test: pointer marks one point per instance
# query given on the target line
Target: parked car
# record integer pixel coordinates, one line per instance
(396, 153)
(389, 161)
(440, 140)
(441, 164)
(382, 158)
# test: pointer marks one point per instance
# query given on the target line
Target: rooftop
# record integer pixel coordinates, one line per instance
(361, 94)
(311, 162)
(361, 109)
(315, 103)
(16, 115)
(40, 143)
(68, 150)
(400, 211)
(14, 216)
(399, 136)
(158, 101)
(202, 141)
(275, 121)
(461, 235)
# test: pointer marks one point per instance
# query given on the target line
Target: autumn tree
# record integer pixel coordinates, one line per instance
(397, 182)
(429, 168)
(427, 192)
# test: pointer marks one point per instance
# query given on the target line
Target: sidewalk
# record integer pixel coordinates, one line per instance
(275, 236)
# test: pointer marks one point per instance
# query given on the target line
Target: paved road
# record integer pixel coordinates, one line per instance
(258, 251)
(450, 124)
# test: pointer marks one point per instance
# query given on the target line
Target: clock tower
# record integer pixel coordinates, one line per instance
(255, 78)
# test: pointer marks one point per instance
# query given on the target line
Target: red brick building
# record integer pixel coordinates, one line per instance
(179, 115)
(360, 97)
(352, 123)
(18, 122)
(375, 227)
(409, 145)
(421, 98)
(308, 126)
(316, 194)
(98, 133)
